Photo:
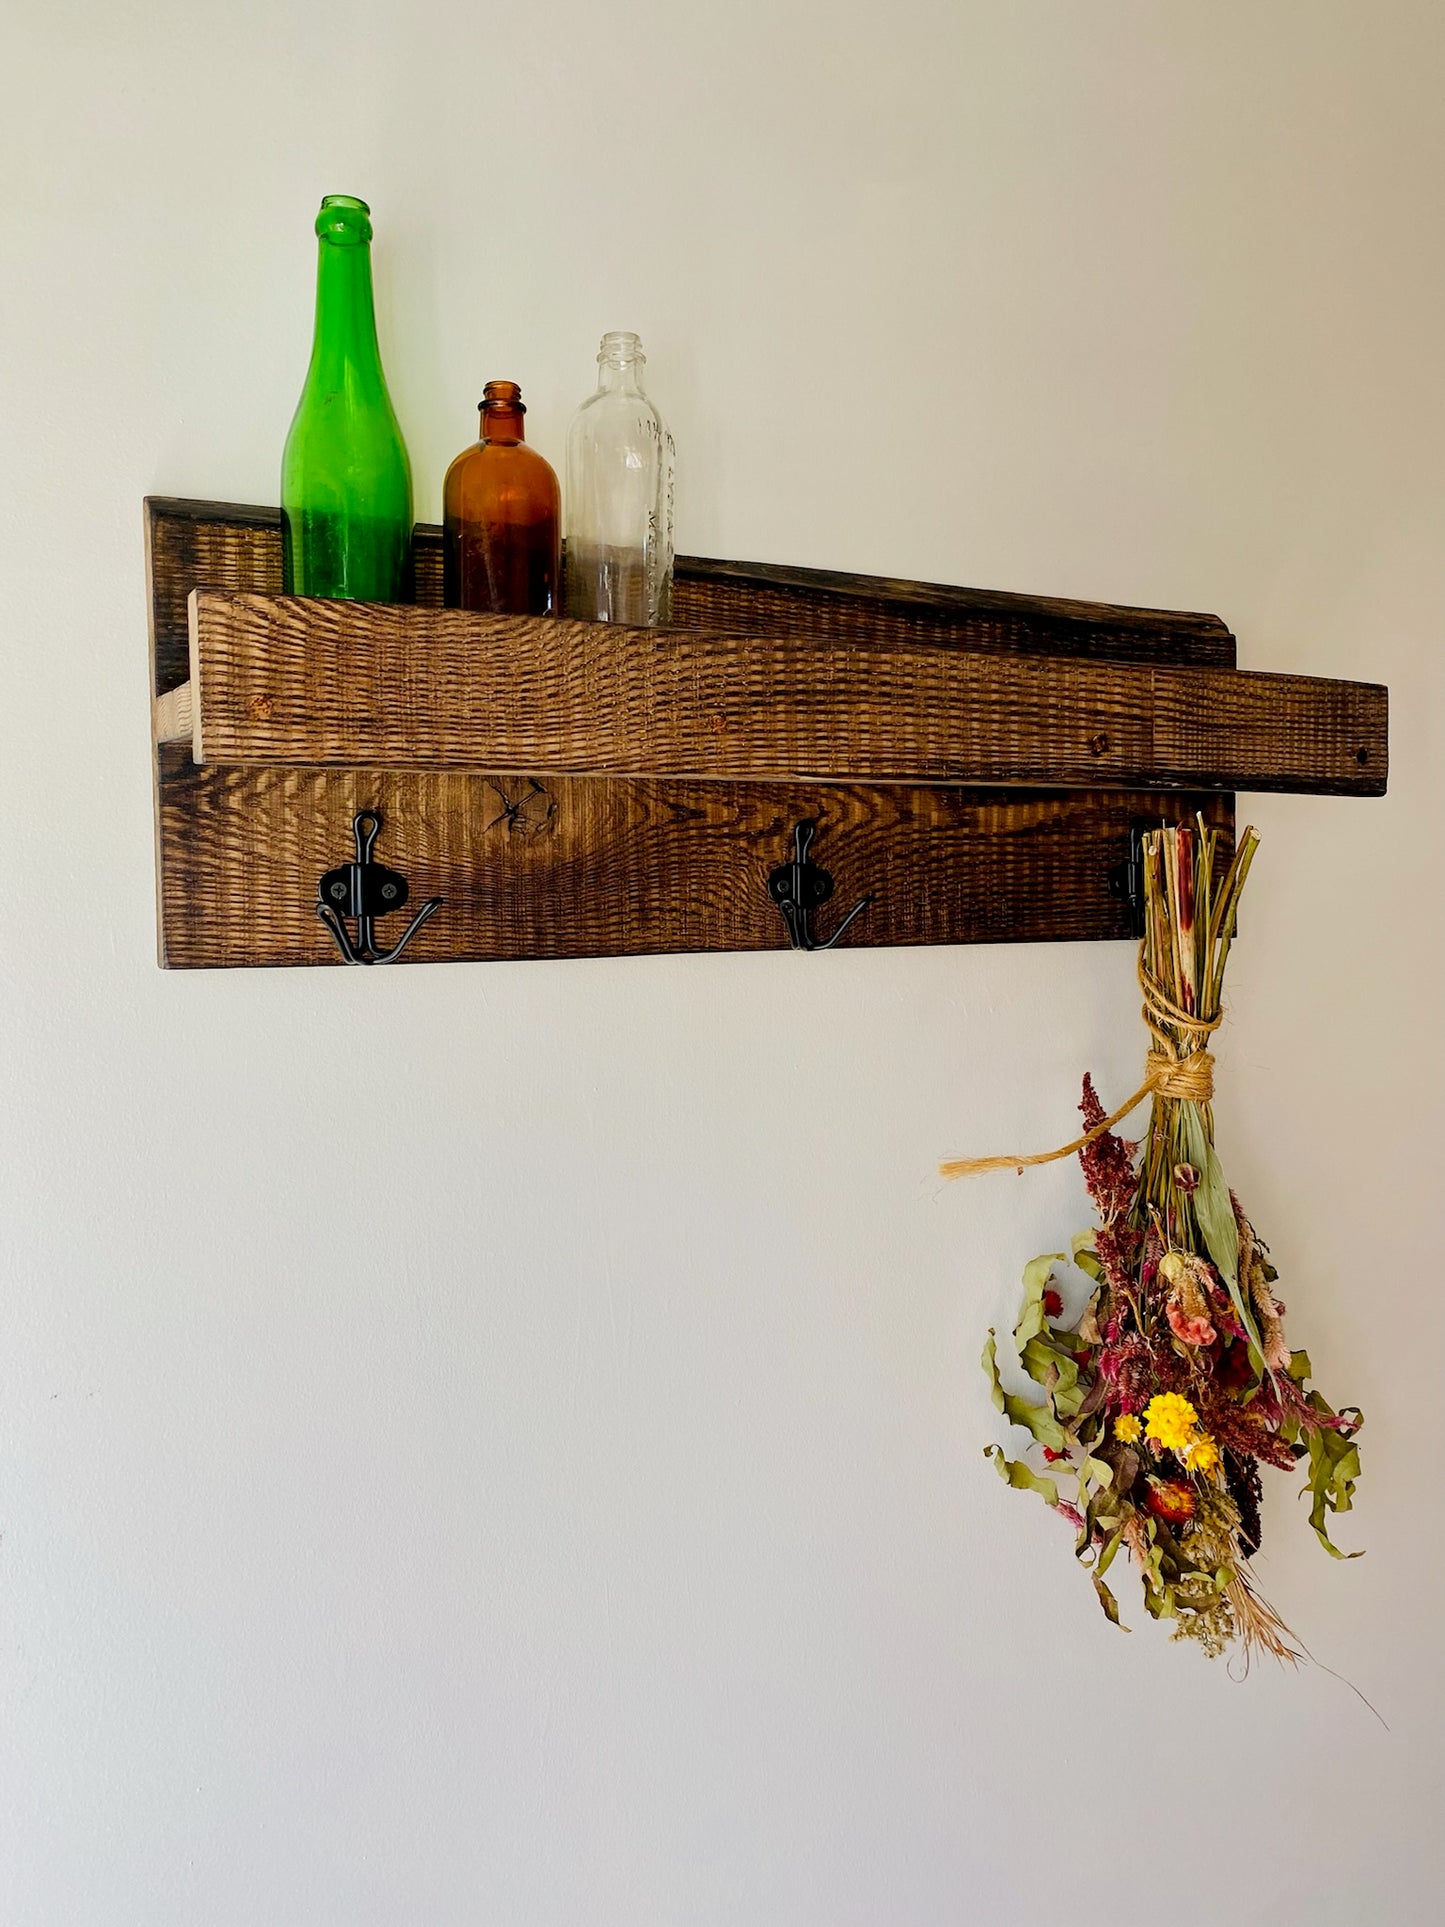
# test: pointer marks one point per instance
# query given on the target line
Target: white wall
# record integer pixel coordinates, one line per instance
(603, 1535)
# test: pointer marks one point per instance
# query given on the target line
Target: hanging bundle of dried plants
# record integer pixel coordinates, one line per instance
(1171, 1383)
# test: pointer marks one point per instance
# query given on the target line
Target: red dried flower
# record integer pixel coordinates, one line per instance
(1053, 1303)
(1171, 1500)
(1244, 1430)
(1233, 1371)
(1130, 1367)
(1115, 1246)
(1108, 1162)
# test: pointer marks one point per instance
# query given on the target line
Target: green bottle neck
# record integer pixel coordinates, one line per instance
(344, 344)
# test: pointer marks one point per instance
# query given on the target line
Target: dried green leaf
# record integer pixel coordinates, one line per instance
(989, 1361)
(1126, 1467)
(1035, 1419)
(1159, 1601)
(1108, 1601)
(1085, 1256)
(1097, 1473)
(1056, 1371)
(1022, 1477)
(1032, 1317)
(1093, 1403)
(1039, 1420)
(1217, 1222)
(1334, 1468)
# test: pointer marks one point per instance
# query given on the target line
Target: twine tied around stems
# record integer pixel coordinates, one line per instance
(1185, 1074)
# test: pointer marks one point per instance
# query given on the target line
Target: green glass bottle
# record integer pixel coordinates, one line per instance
(345, 477)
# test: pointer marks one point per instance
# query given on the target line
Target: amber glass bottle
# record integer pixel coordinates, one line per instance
(500, 511)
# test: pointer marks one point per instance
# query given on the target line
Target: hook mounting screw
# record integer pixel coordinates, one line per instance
(366, 890)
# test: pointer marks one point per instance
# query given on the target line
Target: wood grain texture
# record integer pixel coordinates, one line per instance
(226, 545)
(758, 598)
(555, 867)
(287, 680)
(580, 867)
(171, 717)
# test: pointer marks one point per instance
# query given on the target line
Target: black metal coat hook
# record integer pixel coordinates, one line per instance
(799, 887)
(1126, 880)
(366, 890)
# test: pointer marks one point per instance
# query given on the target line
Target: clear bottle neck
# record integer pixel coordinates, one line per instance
(620, 362)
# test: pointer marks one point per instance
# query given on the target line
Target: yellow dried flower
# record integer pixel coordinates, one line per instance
(1202, 1454)
(1127, 1428)
(1170, 1421)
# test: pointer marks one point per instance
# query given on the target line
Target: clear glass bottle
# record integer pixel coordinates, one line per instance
(618, 503)
(345, 476)
(500, 508)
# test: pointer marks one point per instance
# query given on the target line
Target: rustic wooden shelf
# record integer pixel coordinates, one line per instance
(281, 679)
(976, 760)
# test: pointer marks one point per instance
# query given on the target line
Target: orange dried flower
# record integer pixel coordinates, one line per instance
(1171, 1500)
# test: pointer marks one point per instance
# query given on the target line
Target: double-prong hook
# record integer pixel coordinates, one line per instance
(366, 890)
(1126, 881)
(800, 887)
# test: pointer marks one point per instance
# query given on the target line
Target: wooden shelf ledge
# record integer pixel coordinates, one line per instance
(229, 545)
(976, 760)
(278, 680)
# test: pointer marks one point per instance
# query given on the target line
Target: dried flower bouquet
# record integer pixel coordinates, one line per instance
(1173, 1384)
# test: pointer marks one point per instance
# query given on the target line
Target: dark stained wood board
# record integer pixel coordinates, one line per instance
(228, 545)
(580, 866)
(546, 866)
(287, 679)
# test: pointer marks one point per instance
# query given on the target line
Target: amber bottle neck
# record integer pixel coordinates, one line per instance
(502, 421)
